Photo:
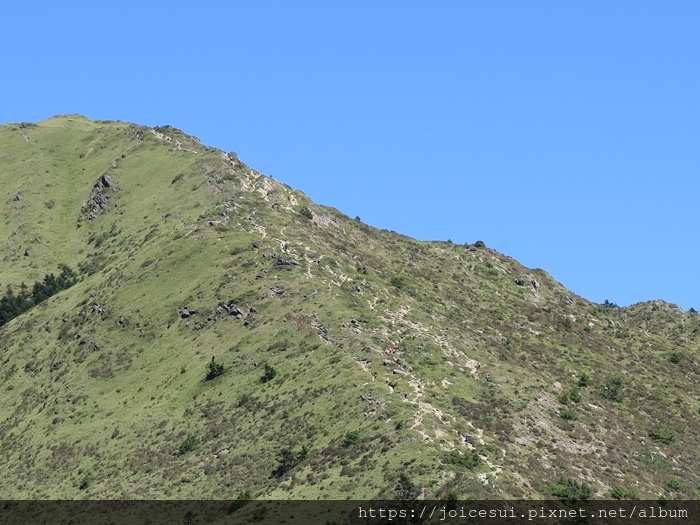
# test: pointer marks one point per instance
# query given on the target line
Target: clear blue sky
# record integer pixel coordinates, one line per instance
(564, 134)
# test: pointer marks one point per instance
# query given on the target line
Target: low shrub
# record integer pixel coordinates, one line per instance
(397, 282)
(613, 390)
(620, 493)
(350, 438)
(569, 414)
(659, 433)
(675, 357)
(190, 443)
(584, 380)
(405, 488)
(214, 370)
(468, 460)
(672, 483)
(269, 374)
(570, 490)
(305, 211)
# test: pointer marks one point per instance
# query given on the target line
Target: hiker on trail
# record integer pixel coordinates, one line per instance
(467, 438)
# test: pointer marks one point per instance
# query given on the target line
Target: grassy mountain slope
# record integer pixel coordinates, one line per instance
(187, 255)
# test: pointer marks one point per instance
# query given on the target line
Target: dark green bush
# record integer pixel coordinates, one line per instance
(659, 433)
(620, 493)
(613, 390)
(190, 443)
(569, 414)
(303, 454)
(241, 499)
(84, 483)
(480, 244)
(570, 490)
(405, 488)
(468, 460)
(269, 374)
(243, 400)
(350, 438)
(397, 282)
(584, 380)
(672, 483)
(288, 459)
(575, 395)
(675, 357)
(214, 370)
(305, 211)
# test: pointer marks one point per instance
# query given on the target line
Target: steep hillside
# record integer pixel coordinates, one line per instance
(227, 337)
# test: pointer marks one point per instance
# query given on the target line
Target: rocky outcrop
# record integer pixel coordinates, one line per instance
(187, 312)
(233, 310)
(100, 199)
(275, 291)
(285, 262)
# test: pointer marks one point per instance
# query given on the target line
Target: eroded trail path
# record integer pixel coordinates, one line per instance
(429, 421)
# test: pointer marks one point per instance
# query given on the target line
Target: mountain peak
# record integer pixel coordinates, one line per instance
(224, 336)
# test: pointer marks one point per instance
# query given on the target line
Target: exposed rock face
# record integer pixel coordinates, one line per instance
(285, 262)
(135, 133)
(275, 291)
(233, 310)
(99, 200)
(187, 312)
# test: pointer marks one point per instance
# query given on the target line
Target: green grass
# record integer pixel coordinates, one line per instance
(104, 390)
